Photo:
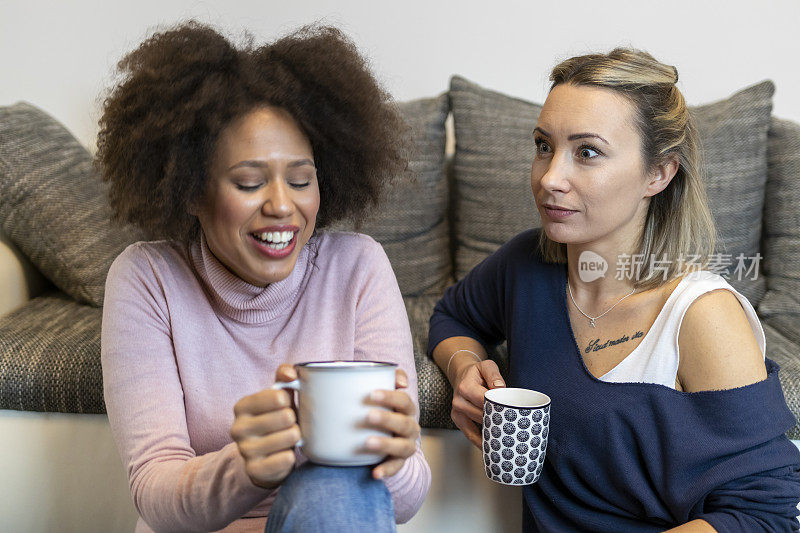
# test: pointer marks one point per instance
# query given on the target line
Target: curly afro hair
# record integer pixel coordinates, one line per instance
(181, 87)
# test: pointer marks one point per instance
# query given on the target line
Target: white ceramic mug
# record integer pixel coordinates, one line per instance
(332, 409)
(516, 424)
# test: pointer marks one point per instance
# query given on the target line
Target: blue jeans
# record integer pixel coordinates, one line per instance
(331, 499)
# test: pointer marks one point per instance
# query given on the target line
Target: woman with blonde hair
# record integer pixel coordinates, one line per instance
(665, 412)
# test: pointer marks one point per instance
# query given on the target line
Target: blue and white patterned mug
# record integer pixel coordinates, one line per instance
(516, 424)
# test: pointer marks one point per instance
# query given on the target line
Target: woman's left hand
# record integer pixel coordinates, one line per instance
(400, 421)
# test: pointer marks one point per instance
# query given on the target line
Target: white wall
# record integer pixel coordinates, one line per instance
(60, 55)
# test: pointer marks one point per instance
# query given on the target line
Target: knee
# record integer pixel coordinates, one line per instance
(327, 480)
(325, 498)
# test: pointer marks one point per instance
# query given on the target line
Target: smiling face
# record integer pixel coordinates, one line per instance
(262, 197)
(588, 176)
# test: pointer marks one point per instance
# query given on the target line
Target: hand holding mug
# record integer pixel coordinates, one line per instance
(399, 420)
(265, 431)
(469, 386)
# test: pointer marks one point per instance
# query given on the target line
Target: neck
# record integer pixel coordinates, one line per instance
(585, 263)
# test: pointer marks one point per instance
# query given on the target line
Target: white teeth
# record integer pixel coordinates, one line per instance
(280, 239)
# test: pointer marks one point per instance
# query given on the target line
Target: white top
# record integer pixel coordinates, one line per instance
(656, 358)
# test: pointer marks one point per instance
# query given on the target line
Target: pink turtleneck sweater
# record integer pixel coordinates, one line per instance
(184, 339)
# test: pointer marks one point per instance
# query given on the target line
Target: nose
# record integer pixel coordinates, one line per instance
(278, 201)
(551, 174)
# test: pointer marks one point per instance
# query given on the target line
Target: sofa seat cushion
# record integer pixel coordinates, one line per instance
(494, 151)
(50, 357)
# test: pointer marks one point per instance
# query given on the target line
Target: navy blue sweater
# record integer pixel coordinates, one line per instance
(624, 456)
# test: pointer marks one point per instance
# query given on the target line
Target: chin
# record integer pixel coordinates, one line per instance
(275, 277)
(557, 232)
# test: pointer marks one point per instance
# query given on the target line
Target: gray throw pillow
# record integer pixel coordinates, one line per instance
(781, 304)
(733, 134)
(410, 223)
(494, 151)
(492, 195)
(53, 205)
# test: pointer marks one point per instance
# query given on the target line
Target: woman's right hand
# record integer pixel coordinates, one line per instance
(469, 385)
(265, 430)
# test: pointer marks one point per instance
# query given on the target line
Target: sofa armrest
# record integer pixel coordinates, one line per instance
(20, 281)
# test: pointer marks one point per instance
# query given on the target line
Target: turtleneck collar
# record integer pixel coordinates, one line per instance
(240, 300)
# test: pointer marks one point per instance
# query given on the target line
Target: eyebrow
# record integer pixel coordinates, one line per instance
(263, 164)
(574, 136)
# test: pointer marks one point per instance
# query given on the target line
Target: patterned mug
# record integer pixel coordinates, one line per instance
(516, 424)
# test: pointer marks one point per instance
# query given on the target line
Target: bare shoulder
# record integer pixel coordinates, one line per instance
(717, 347)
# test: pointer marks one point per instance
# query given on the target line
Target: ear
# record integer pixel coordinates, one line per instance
(662, 175)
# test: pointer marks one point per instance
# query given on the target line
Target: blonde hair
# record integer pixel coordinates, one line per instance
(678, 223)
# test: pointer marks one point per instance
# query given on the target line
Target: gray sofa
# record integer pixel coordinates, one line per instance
(435, 224)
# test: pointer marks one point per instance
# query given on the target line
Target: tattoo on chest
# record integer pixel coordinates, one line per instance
(595, 345)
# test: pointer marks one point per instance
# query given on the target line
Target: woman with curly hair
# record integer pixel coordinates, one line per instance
(233, 160)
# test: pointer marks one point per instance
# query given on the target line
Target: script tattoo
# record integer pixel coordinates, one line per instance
(595, 344)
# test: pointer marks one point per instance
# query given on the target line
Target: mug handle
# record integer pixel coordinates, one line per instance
(293, 385)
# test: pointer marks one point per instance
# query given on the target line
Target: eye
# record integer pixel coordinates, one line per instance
(588, 152)
(301, 180)
(541, 146)
(247, 188)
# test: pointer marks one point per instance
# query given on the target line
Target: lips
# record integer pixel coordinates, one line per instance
(275, 242)
(557, 212)
(272, 251)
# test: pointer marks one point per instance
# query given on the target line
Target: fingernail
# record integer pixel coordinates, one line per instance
(498, 383)
(374, 417)
(377, 395)
(373, 443)
(378, 473)
(402, 381)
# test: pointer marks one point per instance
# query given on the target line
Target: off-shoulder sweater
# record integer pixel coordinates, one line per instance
(633, 457)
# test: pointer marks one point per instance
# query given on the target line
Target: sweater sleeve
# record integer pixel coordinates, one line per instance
(173, 489)
(383, 333)
(763, 502)
(739, 470)
(474, 306)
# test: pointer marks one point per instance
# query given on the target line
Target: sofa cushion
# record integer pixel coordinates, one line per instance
(733, 135)
(492, 196)
(784, 352)
(53, 205)
(494, 151)
(781, 305)
(50, 357)
(410, 223)
(435, 393)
